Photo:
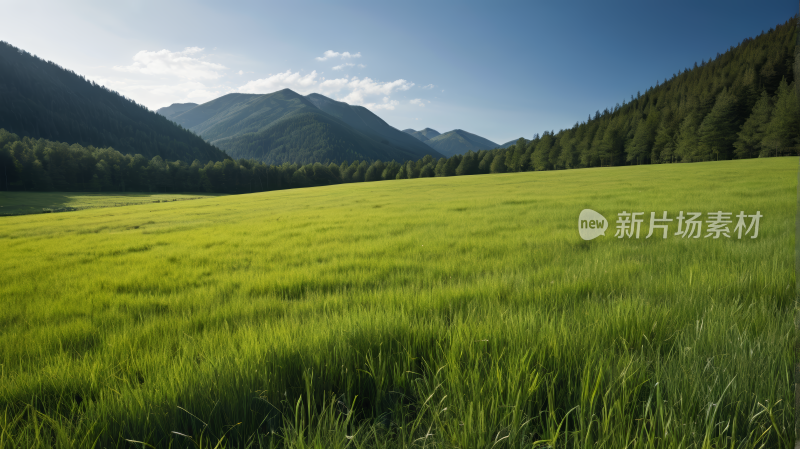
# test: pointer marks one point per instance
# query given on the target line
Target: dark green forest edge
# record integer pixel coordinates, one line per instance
(738, 105)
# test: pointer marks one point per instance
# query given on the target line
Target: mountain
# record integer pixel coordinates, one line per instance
(361, 119)
(175, 109)
(459, 142)
(42, 100)
(287, 127)
(424, 135)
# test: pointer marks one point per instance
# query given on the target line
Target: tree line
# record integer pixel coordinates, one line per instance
(43, 165)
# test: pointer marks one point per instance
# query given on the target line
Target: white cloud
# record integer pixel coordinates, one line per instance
(330, 54)
(352, 90)
(362, 88)
(387, 104)
(333, 85)
(240, 72)
(158, 94)
(348, 64)
(429, 86)
(302, 84)
(187, 64)
(418, 102)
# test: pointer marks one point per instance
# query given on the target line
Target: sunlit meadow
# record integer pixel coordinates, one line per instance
(461, 312)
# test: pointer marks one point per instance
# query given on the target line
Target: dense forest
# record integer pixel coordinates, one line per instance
(43, 100)
(738, 105)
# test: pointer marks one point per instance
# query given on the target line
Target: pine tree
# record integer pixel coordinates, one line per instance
(688, 140)
(499, 162)
(540, 159)
(468, 165)
(717, 132)
(611, 148)
(749, 139)
(641, 144)
(782, 136)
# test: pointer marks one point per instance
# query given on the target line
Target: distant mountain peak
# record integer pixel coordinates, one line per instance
(175, 109)
(423, 135)
(459, 141)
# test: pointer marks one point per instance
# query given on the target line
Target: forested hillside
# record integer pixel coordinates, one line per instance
(39, 99)
(739, 104)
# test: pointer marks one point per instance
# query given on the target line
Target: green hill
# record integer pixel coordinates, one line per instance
(43, 100)
(287, 127)
(175, 109)
(459, 142)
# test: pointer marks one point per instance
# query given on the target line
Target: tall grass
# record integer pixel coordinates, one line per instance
(445, 312)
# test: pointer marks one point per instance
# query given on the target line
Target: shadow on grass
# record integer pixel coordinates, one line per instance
(23, 203)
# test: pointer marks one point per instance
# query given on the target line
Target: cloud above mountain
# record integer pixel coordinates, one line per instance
(187, 64)
(354, 90)
(302, 84)
(161, 77)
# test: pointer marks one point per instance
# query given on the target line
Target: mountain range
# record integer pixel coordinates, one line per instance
(423, 135)
(453, 142)
(42, 100)
(286, 127)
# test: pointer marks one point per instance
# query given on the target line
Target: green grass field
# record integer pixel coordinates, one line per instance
(20, 203)
(459, 312)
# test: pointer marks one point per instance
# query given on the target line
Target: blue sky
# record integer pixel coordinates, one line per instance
(497, 69)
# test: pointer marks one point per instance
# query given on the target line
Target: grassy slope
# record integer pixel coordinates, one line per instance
(16, 203)
(404, 298)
